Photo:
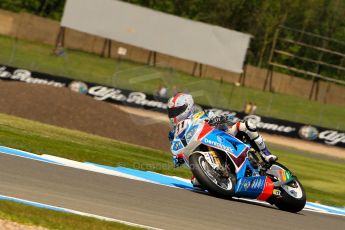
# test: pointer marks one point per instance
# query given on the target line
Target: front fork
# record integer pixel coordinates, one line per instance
(212, 158)
(257, 162)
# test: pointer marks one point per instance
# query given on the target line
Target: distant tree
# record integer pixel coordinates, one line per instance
(257, 17)
(46, 8)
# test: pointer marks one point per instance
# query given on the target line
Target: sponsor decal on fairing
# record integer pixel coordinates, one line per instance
(219, 145)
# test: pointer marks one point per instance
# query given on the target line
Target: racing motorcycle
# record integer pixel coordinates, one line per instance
(228, 167)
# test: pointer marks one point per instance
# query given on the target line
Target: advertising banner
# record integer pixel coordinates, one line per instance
(149, 102)
(97, 91)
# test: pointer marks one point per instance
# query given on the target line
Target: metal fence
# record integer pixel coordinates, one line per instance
(309, 56)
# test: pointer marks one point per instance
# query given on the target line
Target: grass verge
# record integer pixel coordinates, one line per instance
(30, 215)
(134, 76)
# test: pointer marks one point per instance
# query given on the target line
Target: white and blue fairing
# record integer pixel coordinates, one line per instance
(190, 133)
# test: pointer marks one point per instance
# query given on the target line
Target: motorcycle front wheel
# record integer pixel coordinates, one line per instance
(292, 195)
(210, 179)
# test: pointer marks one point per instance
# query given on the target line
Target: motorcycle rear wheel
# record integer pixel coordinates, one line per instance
(207, 178)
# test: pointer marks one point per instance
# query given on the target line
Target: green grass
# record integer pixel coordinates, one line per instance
(323, 179)
(130, 75)
(29, 215)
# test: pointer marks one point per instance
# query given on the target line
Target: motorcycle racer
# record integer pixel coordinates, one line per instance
(220, 152)
(181, 107)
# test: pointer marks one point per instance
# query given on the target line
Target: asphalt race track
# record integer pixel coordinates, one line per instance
(144, 203)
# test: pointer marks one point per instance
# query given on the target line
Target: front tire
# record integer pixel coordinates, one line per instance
(292, 195)
(208, 178)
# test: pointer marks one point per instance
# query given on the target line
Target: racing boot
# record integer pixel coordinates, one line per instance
(268, 157)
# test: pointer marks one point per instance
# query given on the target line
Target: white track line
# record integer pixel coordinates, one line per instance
(89, 167)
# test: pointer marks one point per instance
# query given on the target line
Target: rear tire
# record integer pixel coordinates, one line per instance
(198, 163)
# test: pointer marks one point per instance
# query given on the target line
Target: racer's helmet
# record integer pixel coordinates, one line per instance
(180, 107)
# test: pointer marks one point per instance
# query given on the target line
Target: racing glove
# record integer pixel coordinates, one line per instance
(218, 120)
(171, 136)
(178, 160)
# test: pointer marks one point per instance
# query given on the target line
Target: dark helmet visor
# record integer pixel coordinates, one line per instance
(174, 112)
